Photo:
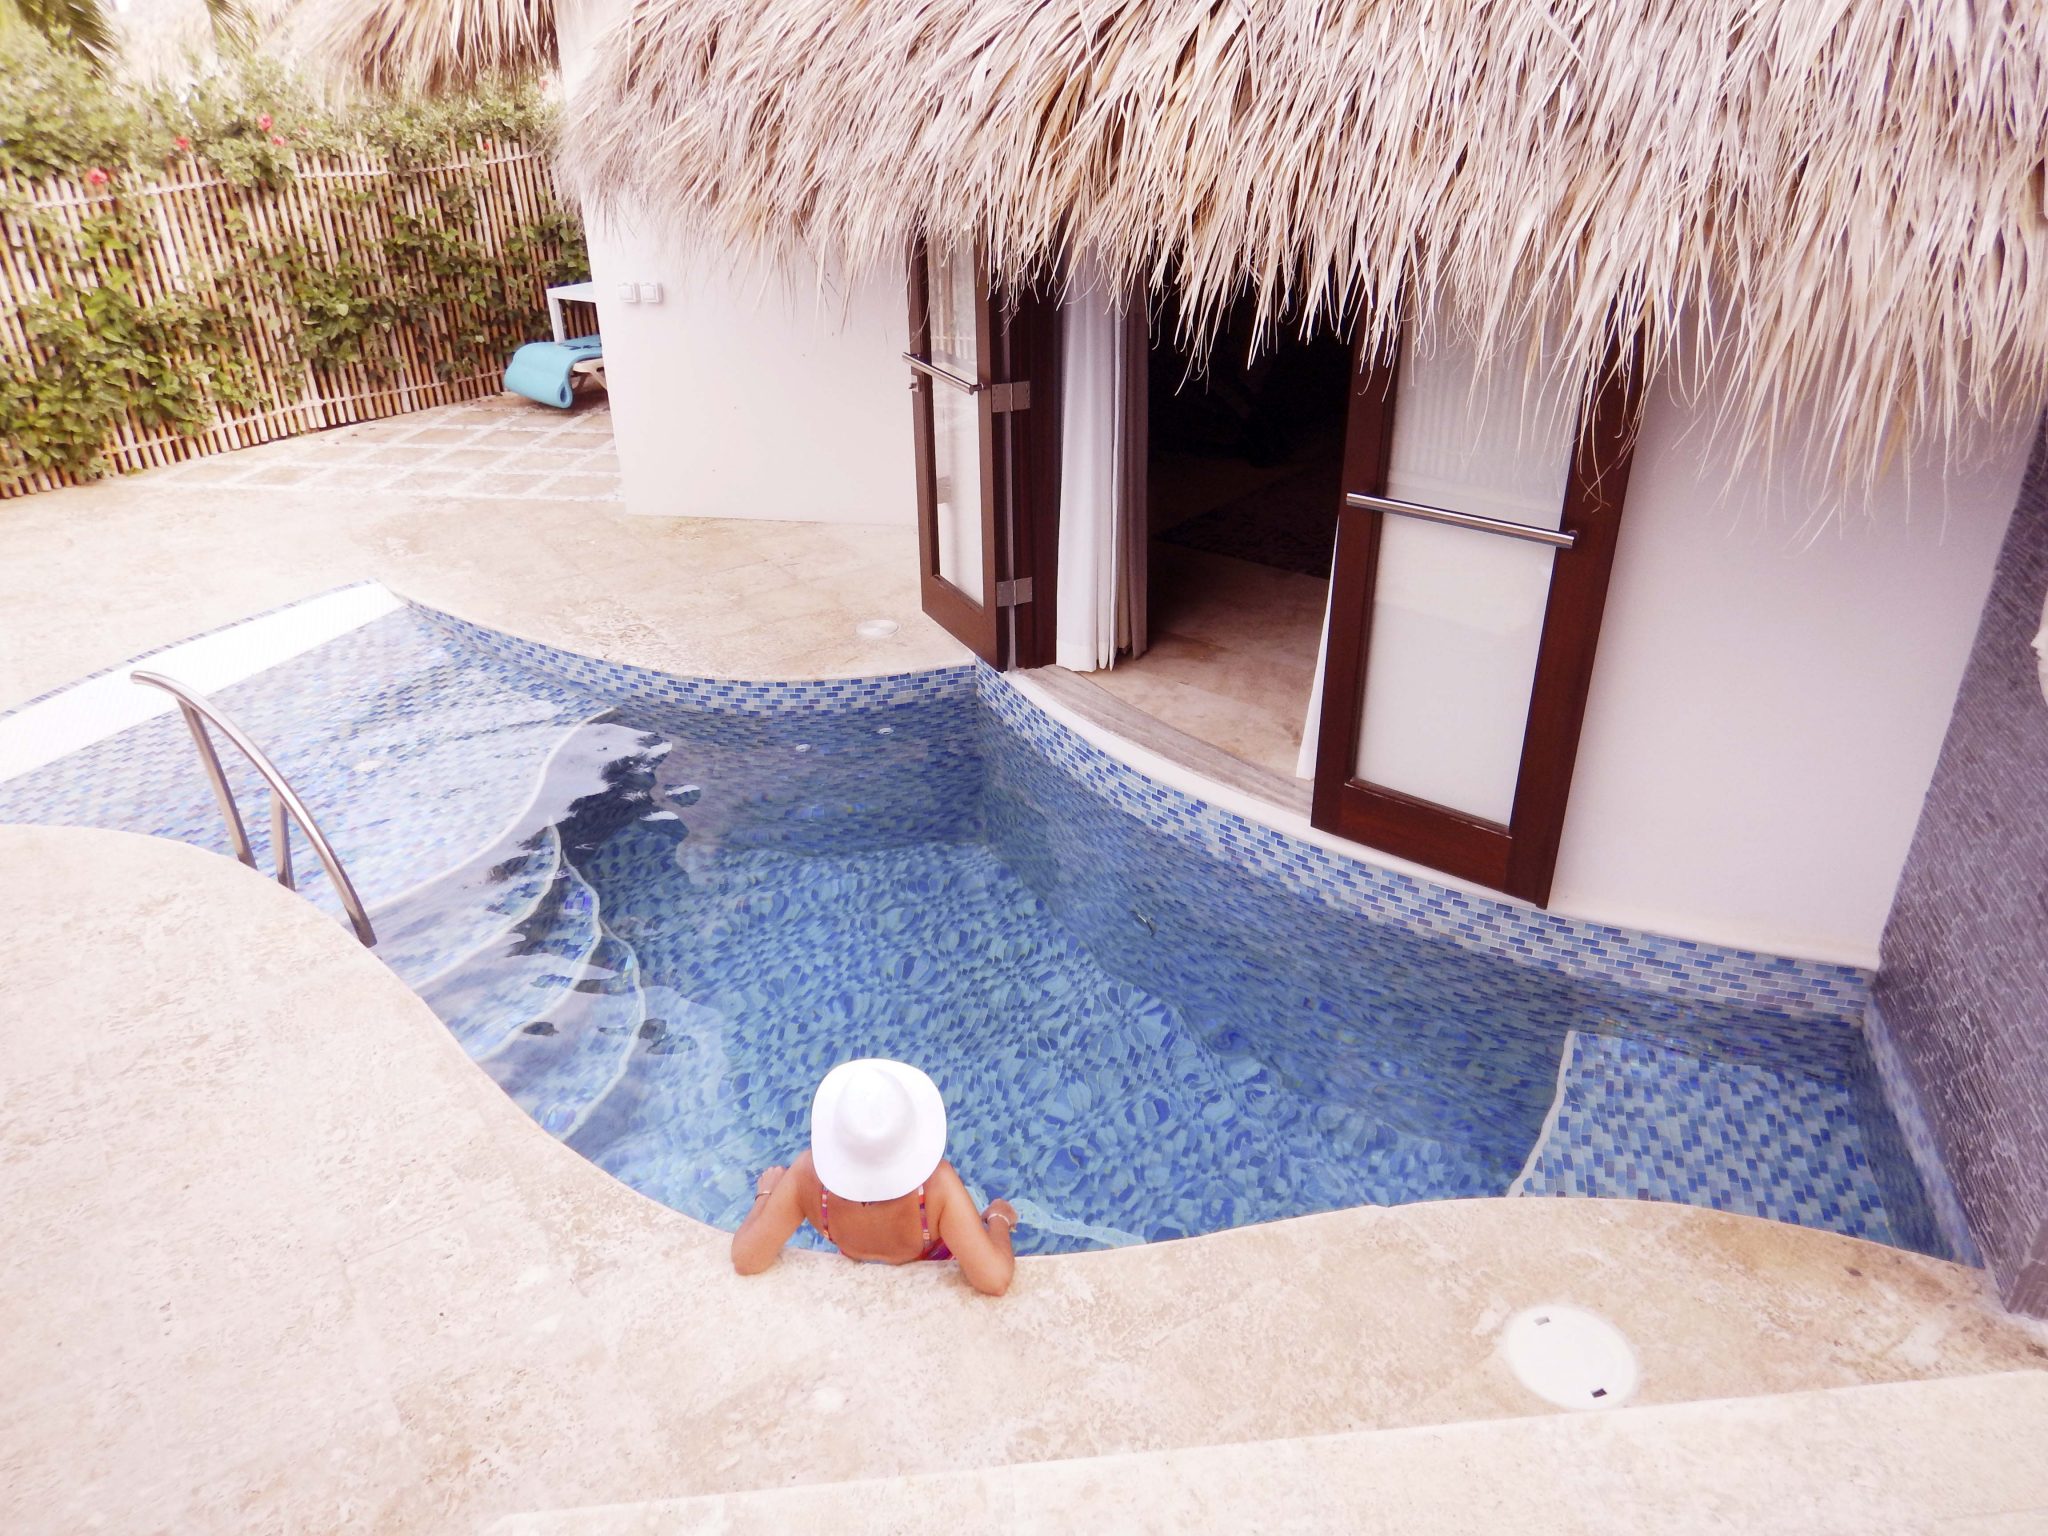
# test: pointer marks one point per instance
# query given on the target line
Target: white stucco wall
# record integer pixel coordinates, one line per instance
(746, 392)
(1767, 706)
(750, 393)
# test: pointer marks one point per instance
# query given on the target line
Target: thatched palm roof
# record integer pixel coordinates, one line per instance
(1851, 188)
(424, 44)
(1841, 201)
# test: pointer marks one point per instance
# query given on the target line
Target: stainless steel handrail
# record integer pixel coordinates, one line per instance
(957, 380)
(285, 804)
(1452, 519)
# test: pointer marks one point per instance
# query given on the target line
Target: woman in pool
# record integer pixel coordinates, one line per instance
(875, 1181)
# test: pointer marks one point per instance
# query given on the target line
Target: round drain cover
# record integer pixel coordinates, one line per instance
(875, 629)
(1570, 1357)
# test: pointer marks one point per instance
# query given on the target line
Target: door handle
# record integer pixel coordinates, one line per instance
(1451, 519)
(933, 370)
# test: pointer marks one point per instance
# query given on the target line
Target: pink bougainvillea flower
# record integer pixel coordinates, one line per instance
(277, 139)
(183, 142)
(263, 122)
(96, 176)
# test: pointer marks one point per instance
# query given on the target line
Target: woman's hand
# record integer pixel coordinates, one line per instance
(980, 1240)
(771, 1222)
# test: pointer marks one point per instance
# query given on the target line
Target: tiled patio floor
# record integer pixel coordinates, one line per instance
(497, 510)
(502, 447)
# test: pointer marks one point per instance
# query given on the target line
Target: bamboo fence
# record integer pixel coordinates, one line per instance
(342, 205)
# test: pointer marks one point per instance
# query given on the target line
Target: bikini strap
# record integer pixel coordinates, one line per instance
(825, 1214)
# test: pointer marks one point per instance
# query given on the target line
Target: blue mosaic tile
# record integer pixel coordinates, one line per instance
(410, 754)
(1927, 1210)
(642, 690)
(1638, 1120)
(1793, 989)
(657, 909)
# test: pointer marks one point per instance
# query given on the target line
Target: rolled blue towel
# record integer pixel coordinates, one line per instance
(540, 369)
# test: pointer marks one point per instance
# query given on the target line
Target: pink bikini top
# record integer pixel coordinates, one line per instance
(932, 1250)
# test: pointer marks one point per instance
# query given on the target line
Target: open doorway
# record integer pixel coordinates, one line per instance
(1244, 468)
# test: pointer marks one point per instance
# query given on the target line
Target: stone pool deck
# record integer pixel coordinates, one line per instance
(94, 575)
(275, 1255)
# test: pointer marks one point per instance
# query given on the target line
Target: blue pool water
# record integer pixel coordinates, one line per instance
(657, 926)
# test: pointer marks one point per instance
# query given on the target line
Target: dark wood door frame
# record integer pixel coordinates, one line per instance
(976, 623)
(1016, 392)
(1520, 857)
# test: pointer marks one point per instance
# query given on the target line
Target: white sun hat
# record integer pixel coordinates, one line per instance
(878, 1129)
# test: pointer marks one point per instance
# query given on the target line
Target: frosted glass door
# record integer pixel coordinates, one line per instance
(956, 423)
(1457, 613)
(959, 350)
(1474, 544)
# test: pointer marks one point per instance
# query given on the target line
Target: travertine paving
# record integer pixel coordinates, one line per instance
(1232, 658)
(93, 575)
(275, 1255)
(1938, 1458)
(501, 447)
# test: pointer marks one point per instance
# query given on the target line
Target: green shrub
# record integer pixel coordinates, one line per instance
(338, 276)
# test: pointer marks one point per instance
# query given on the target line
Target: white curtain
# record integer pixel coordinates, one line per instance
(1312, 728)
(1096, 475)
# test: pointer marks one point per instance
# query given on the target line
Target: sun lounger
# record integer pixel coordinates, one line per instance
(546, 371)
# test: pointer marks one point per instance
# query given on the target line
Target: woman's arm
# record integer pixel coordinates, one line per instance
(769, 1226)
(981, 1243)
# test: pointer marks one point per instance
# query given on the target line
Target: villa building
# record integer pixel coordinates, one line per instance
(1639, 475)
(1328, 720)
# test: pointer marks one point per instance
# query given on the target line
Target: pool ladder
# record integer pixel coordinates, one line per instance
(285, 804)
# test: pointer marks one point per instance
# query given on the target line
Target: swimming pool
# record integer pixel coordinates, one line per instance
(656, 911)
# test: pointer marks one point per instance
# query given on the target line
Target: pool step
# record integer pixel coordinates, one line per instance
(671, 1083)
(437, 928)
(507, 946)
(1948, 1455)
(520, 976)
(559, 1066)
(595, 777)
(1638, 1119)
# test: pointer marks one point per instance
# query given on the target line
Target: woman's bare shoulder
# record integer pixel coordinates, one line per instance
(946, 1186)
(805, 1173)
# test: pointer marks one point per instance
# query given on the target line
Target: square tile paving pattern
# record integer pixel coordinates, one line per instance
(505, 448)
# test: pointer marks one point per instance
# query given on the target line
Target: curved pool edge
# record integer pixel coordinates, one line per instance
(627, 647)
(1214, 818)
(632, 682)
(1199, 815)
(1231, 824)
(267, 1195)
